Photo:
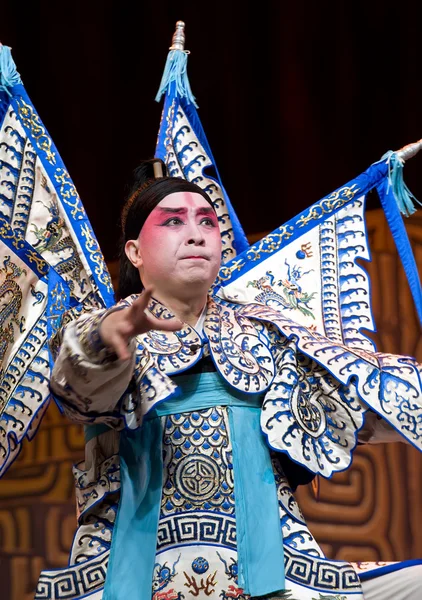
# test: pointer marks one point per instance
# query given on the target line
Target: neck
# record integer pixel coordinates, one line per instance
(188, 310)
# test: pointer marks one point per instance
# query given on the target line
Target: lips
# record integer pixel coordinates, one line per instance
(195, 257)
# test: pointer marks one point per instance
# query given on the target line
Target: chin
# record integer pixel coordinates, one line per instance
(194, 278)
(196, 281)
(193, 281)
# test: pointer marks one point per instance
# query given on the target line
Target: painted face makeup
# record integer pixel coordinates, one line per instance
(179, 245)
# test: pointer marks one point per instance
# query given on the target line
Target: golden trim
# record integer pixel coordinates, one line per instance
(97, 257)
(34, 257)
(32, 121)
(270, 243)
(68, 192)
(328, 205)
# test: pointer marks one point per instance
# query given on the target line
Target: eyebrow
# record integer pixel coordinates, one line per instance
(206, 210)
(203, 210)
(166, 210)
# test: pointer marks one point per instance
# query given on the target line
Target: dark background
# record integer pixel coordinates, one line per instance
(296, 97)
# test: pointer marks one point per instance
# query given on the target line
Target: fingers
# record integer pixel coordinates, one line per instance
(136, 316)
(163, 324)
(120, 347)
(138, 307)
(142, 320)
(143, 301)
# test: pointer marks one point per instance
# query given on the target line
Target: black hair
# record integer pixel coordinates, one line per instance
(146, 192)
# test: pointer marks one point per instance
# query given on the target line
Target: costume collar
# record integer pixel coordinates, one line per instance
(241, 354)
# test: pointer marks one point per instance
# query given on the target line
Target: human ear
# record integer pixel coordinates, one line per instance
(133, 254)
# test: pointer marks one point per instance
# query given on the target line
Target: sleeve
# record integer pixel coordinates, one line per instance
(88, 379)
(378, 431)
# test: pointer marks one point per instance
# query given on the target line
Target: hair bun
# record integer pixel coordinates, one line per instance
(144, 173)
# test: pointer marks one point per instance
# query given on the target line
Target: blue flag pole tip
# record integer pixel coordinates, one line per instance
(403, 196)
(175, 72)
(9, 75)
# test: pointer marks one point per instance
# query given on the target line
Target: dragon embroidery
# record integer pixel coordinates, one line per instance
(163, 576)
(10, 305)
(289, 294)
(51, 238)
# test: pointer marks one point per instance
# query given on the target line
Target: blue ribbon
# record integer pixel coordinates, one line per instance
(258, 530)
(401, 239)
(132, 554)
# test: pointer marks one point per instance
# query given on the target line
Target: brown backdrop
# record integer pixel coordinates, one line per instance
(372, 511)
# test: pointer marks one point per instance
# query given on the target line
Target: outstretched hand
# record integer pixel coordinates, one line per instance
(118, 328)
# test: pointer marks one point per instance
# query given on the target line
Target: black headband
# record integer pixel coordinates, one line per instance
(145, 198)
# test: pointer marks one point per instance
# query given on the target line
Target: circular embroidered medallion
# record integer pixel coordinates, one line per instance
(197, 478)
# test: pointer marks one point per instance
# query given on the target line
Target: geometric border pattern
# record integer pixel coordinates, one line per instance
(320, 574)
(197, 528)
(73, 582)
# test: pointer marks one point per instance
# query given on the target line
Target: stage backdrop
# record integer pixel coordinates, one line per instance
(371, 512)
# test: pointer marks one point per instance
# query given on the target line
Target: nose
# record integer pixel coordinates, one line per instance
(195, 236)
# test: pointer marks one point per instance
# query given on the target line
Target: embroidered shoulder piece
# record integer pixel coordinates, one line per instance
(240, 354)
(149, 387)
(159, 355)
(322, 390)
(173, 352)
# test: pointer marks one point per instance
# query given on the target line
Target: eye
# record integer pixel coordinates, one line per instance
(208, 222)
(173, 221)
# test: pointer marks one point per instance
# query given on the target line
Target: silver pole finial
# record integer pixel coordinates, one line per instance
(178, 41)
(410, 150)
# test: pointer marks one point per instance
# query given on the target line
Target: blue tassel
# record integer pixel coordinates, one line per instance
(176, 72)
(402, 195)
(8, 73)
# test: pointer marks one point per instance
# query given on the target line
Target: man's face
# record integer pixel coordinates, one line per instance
(179, 246)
